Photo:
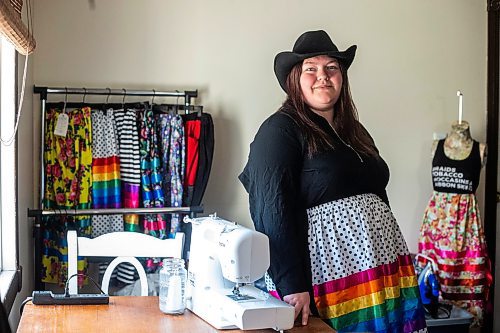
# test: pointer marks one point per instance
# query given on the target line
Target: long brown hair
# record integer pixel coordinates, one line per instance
(345, 118)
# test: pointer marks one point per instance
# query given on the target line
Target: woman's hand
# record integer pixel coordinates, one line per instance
(301, 303)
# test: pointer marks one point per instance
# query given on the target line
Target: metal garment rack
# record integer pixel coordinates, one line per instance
(41, 212)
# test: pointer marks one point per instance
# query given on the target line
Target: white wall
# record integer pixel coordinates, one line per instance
(412, 58)
(25, 190)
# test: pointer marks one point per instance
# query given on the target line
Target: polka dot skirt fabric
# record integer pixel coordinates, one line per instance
(105, 173)
(362, 273)
(352, 235)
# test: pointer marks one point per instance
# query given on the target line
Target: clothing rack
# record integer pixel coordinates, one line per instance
(44, 91)
(187, 95)
(113, 211)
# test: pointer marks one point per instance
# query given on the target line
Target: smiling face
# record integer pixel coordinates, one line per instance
(320, 83)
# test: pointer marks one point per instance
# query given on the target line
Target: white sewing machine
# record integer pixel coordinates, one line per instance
(225, 259)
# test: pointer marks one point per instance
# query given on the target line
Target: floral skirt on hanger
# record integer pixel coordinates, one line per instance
(68, 183)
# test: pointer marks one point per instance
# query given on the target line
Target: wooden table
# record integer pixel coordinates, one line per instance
(126, 314)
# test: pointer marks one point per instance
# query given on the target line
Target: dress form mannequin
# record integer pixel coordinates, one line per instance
(452, 222)
(458, 143)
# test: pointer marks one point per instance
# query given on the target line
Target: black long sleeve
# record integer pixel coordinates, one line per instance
(272, 179)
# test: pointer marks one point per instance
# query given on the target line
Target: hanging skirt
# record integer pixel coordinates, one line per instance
(130, 164)
(172, 148)
(452, 234)
(105, 173)
(363, 276)
(68, 184)
(151, 180)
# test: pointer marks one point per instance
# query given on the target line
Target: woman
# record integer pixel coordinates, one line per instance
(317, 188)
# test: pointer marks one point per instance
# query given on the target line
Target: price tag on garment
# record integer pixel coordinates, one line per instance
(61, 125)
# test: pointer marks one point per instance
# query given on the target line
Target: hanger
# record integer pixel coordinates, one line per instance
(65, 99)
(123, 100)
(200, 110)
(107, 98)
(84, 95)
(153, 98)
(176, 106)
(191, 109)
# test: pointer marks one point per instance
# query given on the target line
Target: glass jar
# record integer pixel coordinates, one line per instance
(173, 276)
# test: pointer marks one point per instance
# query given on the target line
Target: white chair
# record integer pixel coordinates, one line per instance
(124, 246)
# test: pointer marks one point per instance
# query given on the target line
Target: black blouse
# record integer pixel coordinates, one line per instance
(282, 182)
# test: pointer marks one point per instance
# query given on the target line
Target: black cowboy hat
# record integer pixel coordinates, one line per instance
(310, 44)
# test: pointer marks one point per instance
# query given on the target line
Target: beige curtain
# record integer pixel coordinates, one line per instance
(14, 28)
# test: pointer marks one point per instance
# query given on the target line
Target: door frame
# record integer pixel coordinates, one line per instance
(490, 213)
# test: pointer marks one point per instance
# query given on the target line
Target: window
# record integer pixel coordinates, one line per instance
(8, 190)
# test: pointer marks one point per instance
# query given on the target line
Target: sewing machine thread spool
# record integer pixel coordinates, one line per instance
(172, 286)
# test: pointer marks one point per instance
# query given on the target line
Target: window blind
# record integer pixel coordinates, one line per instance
(12, 26)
